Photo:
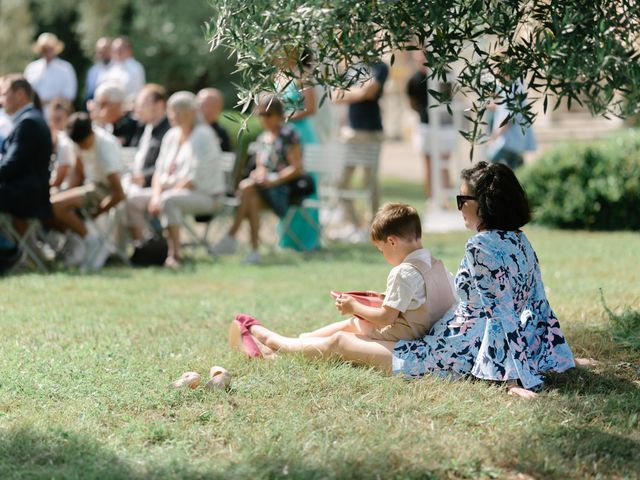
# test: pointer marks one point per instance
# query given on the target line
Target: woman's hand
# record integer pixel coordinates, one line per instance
(344, 304)
(154, 206)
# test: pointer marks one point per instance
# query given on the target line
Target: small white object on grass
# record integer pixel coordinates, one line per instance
(219, 378)
(188, 379)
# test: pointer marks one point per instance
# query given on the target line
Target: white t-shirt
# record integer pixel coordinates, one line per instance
(405, 285)
(102, 159)
(65, 150)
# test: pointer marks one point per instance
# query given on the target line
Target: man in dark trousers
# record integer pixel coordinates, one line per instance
(25, 156)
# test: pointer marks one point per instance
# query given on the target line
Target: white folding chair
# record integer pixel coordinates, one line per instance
(206, 219)
(26, 242)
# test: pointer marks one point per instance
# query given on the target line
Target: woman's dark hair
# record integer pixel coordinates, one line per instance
(79, 127)
(502, 202)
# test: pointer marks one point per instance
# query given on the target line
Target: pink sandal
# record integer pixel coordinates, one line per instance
(240, 338)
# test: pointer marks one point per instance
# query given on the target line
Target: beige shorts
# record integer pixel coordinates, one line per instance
(399, 330)
(93, 194)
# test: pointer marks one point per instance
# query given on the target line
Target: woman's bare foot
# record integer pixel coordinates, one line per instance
(586, 362)
(517, 391)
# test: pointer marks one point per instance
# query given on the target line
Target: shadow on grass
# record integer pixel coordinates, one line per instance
(577, 452)
(26, 453)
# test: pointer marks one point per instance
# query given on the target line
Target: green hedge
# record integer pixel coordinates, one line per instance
(588, 185)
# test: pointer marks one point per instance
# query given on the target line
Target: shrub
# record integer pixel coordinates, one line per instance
(592, 185)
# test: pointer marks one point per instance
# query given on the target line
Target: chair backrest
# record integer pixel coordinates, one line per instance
(228, 162)
(329, 160)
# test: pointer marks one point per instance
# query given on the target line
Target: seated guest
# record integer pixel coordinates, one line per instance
(278, 161)
(187, 179)
(151, 111)
(107, 110)
(5, 119)
(51, 76)
(24, 156)
(63, 149)
(94, 186)
(211, 103)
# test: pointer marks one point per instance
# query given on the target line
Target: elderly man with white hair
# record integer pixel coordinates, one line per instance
(107, 110)
(51, 76)
(187, 179)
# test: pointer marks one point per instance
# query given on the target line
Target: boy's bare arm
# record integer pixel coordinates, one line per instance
(379, 316)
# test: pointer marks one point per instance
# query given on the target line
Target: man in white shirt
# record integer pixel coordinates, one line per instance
(51, 76)
(124, 70)
(94, 186)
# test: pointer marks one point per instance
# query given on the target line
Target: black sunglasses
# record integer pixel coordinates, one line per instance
(265, 114)
(461, 199)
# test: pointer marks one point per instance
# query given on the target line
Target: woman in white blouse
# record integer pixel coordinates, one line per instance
(187, 179)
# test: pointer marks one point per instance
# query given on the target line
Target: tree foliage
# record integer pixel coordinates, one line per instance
(584, 52)
(16, 29)
(168, 37)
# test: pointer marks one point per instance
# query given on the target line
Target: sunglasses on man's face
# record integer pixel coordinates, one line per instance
(462, 199)
(265, 114)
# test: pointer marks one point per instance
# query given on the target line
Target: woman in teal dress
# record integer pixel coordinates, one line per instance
(301, 105)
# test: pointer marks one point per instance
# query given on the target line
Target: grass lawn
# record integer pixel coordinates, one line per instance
(85, 364)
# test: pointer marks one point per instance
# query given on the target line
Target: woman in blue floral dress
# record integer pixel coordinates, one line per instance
(502, 329)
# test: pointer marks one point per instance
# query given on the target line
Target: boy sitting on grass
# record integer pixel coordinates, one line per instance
(419, 289)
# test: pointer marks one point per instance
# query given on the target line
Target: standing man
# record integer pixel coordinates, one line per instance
(125, 70)
(24, 156)
(364, 127)
(51, 76)
(211, 103)
(99, 68)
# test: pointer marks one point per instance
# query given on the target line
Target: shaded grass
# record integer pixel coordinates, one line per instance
(85, 364)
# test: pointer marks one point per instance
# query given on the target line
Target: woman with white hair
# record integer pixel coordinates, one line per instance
(187, 179)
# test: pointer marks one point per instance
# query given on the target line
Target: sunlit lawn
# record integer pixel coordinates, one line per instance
(85, 364)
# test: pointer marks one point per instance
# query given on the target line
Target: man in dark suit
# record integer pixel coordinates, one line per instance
(211, 103)
(151, 111)
(25, 156)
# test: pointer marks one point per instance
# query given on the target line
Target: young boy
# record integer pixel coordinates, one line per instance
(419, 288)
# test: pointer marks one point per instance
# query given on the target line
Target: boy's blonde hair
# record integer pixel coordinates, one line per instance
(397, 219)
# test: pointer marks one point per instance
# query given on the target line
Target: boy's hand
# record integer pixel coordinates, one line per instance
(344, 304)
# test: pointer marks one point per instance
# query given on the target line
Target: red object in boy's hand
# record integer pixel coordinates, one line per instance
(370, 299)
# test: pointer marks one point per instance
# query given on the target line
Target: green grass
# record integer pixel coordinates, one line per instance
(85, 364)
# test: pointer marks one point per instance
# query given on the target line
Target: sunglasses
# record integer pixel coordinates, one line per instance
(265, 114)
(462, 199)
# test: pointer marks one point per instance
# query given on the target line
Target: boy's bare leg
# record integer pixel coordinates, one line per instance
(351, 325)
(348, 346)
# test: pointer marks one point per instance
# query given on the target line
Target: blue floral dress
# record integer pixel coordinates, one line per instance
(503, 327)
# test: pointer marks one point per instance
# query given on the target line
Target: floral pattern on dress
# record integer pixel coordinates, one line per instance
(502, 329)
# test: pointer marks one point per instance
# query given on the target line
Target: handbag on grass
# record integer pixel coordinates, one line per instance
(151, 252)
